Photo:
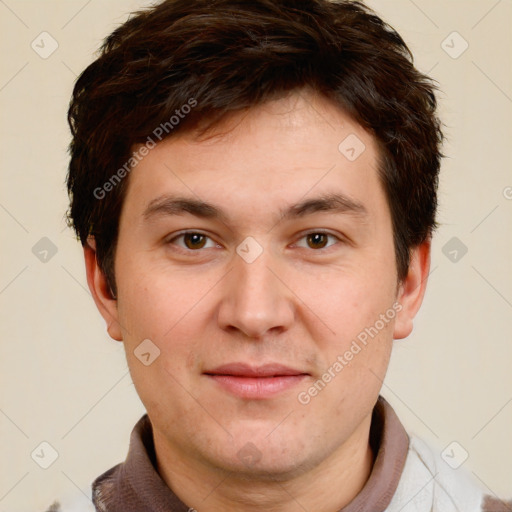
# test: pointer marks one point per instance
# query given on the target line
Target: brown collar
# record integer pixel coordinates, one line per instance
(136, 486)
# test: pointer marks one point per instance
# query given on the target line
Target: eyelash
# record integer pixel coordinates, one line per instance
(305, 235)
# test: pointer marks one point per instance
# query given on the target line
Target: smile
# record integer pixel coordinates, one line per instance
(250, 382)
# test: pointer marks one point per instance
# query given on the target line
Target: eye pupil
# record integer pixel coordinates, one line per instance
(317, 240)
(194, 240)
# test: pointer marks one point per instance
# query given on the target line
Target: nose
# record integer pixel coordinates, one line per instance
(255, 299)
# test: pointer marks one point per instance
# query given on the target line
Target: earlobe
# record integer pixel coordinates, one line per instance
(412, 289)
(100, 290)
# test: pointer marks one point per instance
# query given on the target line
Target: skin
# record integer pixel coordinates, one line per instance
(300, 303)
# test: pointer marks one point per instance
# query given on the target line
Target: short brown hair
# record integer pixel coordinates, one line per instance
(231, 55)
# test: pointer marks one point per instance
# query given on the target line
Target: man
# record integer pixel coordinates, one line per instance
(254, 185)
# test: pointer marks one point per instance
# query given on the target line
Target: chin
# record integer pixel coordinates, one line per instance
(271, 463)
(267, 472)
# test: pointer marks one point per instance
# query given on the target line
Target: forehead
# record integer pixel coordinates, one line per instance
(277, 154)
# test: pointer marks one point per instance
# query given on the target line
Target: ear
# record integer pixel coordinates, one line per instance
(412, 289)
(100, 291)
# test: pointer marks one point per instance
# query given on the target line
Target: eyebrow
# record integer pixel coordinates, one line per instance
(332, 203)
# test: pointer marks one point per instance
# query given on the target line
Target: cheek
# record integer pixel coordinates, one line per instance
(357, 304)
(151, 308)
(151, 312)
(346, 300)
(158, 303)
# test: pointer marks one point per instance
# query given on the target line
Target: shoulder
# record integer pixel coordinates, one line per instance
(493, 504)
(74, 503)
(437, 482)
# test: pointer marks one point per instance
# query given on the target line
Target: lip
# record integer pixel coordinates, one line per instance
(256, 382)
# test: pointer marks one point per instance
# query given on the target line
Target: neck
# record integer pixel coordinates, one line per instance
(327, 487)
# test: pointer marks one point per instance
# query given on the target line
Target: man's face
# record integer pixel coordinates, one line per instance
(258, 302)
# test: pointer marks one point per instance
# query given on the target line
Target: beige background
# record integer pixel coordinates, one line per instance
(65, 382)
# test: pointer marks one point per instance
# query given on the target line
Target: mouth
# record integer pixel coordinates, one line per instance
(255, 382)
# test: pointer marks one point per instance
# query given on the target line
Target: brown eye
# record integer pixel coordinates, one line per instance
(194, 240)
(317, 240)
